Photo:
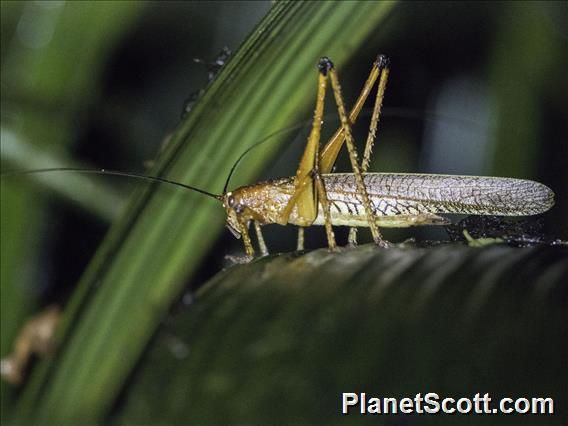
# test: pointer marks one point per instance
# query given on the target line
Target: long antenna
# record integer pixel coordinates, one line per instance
(113, 173)
(262, 141)
(400, 112)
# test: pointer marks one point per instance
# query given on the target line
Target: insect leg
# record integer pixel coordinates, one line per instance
(300, 244)
(352, 237)
(383, 66)
(249, 250)
(326, 211)
(361, 189)
(331, 149)
(309, 186)
(260, 238)
(324, 66)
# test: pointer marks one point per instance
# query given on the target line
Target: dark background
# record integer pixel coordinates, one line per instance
(475, 88)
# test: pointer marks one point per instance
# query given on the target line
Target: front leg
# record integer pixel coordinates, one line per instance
(249, 250)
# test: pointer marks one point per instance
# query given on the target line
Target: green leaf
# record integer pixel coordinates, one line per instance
(280, 339)
(148, 255)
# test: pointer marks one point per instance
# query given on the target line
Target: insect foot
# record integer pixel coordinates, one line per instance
(334, 249)
(325, 65)
(383, 61)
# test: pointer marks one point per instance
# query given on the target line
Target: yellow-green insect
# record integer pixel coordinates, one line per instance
(315, 196)
(359, 199)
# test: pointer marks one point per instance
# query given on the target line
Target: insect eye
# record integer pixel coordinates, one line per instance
(231, 201)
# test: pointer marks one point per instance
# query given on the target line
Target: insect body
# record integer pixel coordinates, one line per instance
(314, 196)
(397, 199)
(402, 199)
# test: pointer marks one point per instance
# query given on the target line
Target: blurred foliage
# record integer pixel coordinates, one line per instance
(103, 83)
(50, 53)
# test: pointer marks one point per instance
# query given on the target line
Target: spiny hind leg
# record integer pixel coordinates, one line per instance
(331, 149)
(309, 187)
(383, 64)
(361, 188)
(383, 67)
